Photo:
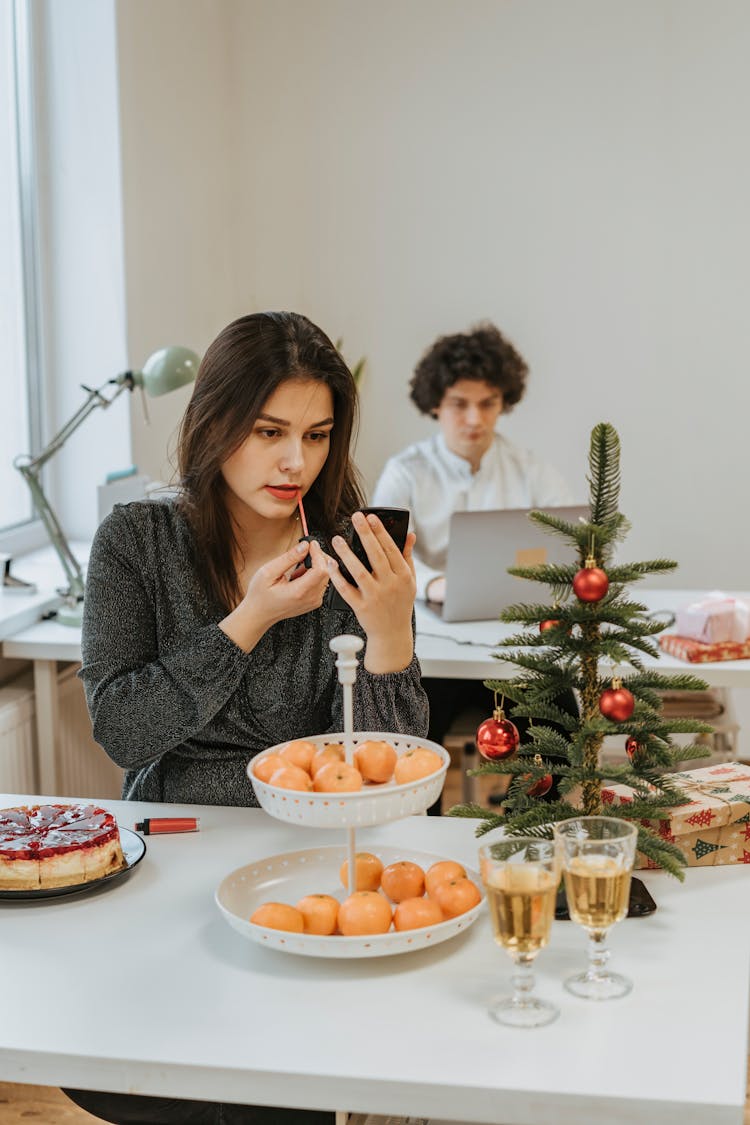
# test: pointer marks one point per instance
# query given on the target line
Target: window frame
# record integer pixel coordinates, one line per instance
(25, 536)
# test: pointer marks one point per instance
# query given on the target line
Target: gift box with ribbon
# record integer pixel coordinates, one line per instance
(696, 652)
(715, 619)
(714, 828)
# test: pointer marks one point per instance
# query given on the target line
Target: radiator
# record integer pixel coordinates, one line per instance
(84, 770)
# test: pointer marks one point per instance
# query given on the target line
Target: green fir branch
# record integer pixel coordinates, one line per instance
(554, 574)
(633, 572)
(604, 473)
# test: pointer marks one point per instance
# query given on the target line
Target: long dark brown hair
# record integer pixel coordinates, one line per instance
(243, 366)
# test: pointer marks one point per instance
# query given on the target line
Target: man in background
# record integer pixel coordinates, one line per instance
(465, 382)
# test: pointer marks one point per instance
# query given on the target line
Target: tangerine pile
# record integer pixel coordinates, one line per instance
(401, 895)
(301, 765)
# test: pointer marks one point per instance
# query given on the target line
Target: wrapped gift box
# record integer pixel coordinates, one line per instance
(714, 828)
(696, 652)
(714, 620)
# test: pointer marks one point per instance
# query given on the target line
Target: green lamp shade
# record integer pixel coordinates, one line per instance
(166, 370)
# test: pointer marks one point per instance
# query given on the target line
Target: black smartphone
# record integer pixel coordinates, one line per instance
(640, 904)
(396, 523)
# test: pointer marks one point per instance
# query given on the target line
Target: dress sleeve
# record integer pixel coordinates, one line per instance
(385, 701)
(143, 701)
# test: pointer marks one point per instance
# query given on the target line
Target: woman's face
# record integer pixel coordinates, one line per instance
(284, 452)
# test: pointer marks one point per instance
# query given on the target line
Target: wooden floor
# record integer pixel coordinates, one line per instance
(24, 1105)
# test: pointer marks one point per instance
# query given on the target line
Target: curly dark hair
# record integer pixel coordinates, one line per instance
(482, 354)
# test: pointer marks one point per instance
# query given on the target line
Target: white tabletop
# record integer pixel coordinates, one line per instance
(464, 650)
(143, 987)
(458, 650)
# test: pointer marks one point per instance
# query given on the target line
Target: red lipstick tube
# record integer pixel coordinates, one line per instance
(156, 824)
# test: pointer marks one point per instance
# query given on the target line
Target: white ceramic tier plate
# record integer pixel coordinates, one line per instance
(287, 877)
(374, 804)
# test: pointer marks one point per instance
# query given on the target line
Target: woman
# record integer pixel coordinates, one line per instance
(206, 638)
(198, 651)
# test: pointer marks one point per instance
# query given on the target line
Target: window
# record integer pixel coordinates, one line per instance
(19, 351)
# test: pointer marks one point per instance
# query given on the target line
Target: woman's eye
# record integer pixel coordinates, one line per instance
(268, 433)
(318, 437)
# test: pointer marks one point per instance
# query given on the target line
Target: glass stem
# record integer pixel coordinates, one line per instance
(523, 979)
(598, 955)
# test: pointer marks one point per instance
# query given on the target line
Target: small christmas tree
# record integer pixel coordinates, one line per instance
(590, 621)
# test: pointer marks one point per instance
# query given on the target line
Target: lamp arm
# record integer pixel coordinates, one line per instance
(29, 468)
(70, 563)
(94, 399)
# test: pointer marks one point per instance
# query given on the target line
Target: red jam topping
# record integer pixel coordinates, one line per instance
(40, 831)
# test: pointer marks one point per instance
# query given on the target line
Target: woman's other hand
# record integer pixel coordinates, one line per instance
(383, 599)
(272, 597)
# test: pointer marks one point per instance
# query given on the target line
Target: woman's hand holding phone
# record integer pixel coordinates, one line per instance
(383, 598)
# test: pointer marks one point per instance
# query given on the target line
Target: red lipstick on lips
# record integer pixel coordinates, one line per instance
(283, 492)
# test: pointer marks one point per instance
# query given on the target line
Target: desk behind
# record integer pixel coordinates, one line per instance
(463, 650)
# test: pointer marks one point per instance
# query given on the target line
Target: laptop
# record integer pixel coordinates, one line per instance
(481, 547)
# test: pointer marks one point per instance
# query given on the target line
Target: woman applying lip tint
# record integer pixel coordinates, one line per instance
(205, 635)
(205, 638)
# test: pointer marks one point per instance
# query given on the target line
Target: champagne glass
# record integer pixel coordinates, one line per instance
(520, 875)
(597, 855)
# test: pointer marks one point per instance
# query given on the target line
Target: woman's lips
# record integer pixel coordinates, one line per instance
(280, 493)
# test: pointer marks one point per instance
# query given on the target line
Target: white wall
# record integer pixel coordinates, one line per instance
(576, 172)
(182, 262)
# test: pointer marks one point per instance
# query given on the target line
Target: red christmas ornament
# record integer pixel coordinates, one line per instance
(497, 738)
(617, 703)
(590, 583)
(543, 784)
(549, 624)
(632, 746)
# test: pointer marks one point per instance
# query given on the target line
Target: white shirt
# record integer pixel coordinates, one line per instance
(433, 483)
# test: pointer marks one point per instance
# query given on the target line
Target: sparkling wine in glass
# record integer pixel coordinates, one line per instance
(520, 875)
(597, 855)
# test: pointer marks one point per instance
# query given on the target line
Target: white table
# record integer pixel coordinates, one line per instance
(143, 987)
(463, 650)
(438, 648)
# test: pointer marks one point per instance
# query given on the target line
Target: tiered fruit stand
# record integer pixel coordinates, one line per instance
(289, 876)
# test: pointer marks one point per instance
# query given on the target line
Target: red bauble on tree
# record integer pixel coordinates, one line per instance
(617, 703)
(633, 746)
(543, 784)
(590, 583)
(497, 738)
(551, 623)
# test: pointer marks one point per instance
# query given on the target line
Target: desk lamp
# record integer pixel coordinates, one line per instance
(164, 371)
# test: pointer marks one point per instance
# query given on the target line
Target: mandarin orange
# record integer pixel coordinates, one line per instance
(402, 879)
(265, 767)
(278, 916)
(365, 912)
(413, 913)
(415, 764)
(299, 753)
(441, 872)
(457, 896)
(337, 777)
(367, 872)
(375, 760)
(333, 752)
(291, 777)
(320, 913)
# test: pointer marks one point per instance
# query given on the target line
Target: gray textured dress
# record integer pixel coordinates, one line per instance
(175, 702)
